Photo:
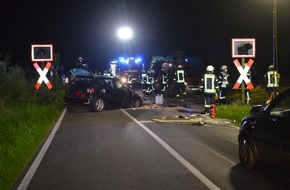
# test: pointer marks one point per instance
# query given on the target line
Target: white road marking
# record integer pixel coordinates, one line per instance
(27, 178)
(182, 160)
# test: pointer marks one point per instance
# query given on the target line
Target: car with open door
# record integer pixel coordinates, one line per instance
(98, 92)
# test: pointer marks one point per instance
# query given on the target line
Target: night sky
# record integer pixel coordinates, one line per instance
(202, 29)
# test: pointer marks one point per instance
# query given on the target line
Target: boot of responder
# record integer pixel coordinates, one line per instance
(184, 94)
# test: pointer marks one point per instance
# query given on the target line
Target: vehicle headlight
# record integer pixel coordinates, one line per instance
(123, 80)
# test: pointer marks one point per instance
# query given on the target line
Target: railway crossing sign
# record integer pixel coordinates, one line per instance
(243, 72)
(42, 53)
(42, 74)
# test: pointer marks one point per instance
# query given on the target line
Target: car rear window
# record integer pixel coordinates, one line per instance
(80, 72)
(79, 85)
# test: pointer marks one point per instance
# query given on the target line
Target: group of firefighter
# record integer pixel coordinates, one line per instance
(213, 86)
(158, 83)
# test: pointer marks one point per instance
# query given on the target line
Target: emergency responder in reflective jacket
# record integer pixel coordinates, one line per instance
(144, 78)
(150, 82)
(223, 84)
(129, 78)
(163, 81)
(209, 86)
(272, 78)
(179, 82)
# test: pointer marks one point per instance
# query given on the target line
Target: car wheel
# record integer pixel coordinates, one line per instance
(137, 103)
(246, 155)
(99, 105)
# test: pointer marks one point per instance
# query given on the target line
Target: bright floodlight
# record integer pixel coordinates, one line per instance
(125, 33)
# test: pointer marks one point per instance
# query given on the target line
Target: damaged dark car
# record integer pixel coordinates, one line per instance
(98, 92)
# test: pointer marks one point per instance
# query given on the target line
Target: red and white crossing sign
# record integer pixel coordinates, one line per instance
(42, 74)
(243, 72)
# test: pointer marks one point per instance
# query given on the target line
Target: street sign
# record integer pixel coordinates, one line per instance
(243, 48)
(41, 52)
(243, 72)
(42, 74)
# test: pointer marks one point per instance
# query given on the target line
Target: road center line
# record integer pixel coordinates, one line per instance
(182, 160)
(27, 178)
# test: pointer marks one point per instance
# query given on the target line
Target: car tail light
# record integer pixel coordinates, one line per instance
(80, 94)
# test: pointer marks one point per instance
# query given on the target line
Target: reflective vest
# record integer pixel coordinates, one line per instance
(223, 80)
(143, 80)
(164, 79)
(149, 79)
(272, 78)
(210, 83)
(180, 76)
(129, 79)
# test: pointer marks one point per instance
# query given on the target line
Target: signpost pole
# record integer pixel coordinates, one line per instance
(243, 83)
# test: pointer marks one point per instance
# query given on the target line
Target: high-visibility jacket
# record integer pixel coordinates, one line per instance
(223, 80)
(273, 79)
(209, 83)
(164, 78)
(180, 76)
(149, 79)
(129, 79)
(143, 78)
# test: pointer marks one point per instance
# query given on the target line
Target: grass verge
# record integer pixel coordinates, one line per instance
(234, 112)
(237, 110)
(22, 129)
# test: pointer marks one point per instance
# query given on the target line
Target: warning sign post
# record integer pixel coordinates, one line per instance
(244, 81)
(42, 74)
(244, 48)
(42, 53)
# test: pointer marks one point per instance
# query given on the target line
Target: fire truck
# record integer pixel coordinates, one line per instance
(131, 72)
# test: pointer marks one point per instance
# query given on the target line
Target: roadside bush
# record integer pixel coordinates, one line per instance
(14, 88)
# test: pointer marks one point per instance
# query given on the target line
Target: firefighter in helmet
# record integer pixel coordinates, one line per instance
(209, 86)
(272, 78)
(150, 82)
(179, 81)
(223, 84)
(163, 81)
(129, 78)
(144, 78)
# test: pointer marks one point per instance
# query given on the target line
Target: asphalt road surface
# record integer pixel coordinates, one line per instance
(124, 149)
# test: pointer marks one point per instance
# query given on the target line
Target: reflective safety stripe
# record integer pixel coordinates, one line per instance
(180, 76)
(164, 79)
(143, 81)
(209, 83)
(148, 81)
(272, 79)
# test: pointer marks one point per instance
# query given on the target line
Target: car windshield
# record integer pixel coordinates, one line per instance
(282, 108)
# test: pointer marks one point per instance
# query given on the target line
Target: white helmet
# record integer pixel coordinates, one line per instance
(179, 67)
(271, 67)
(224, 67)
(210, 68)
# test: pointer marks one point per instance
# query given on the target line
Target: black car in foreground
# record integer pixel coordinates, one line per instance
(264, 136)
(98, 92)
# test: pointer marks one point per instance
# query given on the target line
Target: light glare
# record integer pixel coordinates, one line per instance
(125, 33)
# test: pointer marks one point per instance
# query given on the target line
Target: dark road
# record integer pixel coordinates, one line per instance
(124, 149)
